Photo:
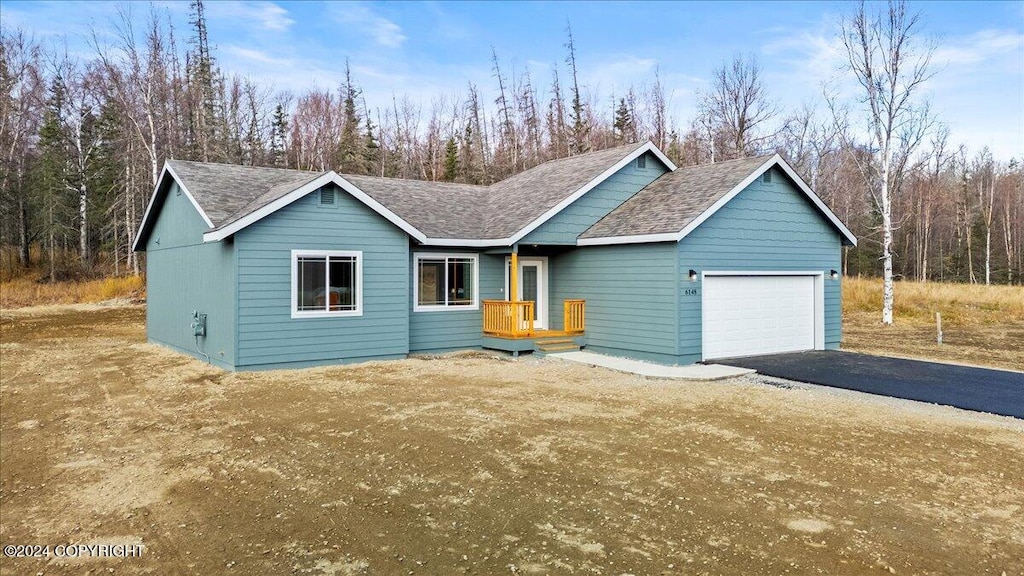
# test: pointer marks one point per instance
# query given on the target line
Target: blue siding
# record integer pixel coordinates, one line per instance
(267, 334)
(565, 226)
(765, 227)
(182, 275)
(631, 297)
(437, 331)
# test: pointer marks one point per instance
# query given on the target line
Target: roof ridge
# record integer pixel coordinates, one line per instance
(433, 182)
(729, 161)
(247, 166)
(632, 145)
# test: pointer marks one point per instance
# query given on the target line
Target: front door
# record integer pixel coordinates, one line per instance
(533, 286)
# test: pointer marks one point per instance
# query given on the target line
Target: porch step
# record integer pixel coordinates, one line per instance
(554, 345)
(544, 341)
(558, 348)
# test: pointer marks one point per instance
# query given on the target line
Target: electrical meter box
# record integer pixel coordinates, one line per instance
(198, 324)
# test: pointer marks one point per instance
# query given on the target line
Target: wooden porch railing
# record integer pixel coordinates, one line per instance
(574, 316)
(515, 319)
(505, 318)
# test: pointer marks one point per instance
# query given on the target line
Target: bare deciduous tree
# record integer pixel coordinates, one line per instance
(891, 68)
(736, 111)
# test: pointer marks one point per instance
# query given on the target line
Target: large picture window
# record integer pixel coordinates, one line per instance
(445, 282)
(327, 283)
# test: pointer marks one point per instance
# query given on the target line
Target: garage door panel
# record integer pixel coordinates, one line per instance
(752, 315)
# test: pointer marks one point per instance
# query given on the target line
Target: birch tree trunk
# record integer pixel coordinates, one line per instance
(887, 282)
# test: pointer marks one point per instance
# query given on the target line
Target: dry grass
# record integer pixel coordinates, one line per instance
(959, 303)
(25, 291)
(982, 325)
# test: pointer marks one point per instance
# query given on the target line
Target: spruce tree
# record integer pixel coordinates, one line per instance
(51, 175)
(279, 137)
(623, 126)
(350, 156)
(451, 160)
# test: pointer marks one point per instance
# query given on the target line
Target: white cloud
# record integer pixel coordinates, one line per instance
(256, 55)
(268, 15)
(980, 47)
(360, 19)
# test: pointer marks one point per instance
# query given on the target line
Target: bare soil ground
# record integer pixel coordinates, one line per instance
(478, 465)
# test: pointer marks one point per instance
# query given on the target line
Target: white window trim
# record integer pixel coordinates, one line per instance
(418, 256)
(296, 313)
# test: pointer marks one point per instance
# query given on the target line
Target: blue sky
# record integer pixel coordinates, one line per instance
(429, 50)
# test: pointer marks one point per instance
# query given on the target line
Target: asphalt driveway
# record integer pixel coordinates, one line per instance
(979, 389)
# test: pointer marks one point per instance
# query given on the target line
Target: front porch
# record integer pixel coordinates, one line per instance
(509, 326)
(517, 325)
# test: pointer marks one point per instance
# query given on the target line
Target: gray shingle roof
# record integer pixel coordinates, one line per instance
(521, 199)
(465, 211)
(438, 209)
(228, 192)
(674, 200)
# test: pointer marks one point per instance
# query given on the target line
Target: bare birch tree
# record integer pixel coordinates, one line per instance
(891, 68)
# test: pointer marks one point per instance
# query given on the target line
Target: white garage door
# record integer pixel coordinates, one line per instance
(753, 315)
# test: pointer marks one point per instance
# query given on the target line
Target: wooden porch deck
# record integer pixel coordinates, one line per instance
(536, 334)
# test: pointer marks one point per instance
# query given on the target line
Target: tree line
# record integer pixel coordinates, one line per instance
(82, 141)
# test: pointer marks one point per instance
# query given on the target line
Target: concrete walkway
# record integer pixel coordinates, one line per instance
(690, 372)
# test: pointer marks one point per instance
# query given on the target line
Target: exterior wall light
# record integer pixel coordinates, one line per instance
(833, 274)
(693, 275)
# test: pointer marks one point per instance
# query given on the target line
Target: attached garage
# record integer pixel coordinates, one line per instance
(749, 314)
(756, 269)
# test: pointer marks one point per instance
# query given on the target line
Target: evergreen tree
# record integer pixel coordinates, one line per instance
(578, 143)
(451, 160)
(351, 149)
(623, 128)
(51, 176)
(279, 137)
(371, 149)
(107, 168)
(202, 79)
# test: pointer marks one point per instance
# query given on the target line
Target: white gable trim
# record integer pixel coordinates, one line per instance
(648, 147)
(322, 180)
(152, 200)
(677, 236)
(468, 243)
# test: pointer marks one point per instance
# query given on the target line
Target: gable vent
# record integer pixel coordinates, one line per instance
(767, 177)
(327, 196)
(641, 162)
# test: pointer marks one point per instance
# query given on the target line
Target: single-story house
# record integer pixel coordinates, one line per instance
(617, 250)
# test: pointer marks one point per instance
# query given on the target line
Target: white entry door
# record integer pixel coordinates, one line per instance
(758, 314)
(533, 286)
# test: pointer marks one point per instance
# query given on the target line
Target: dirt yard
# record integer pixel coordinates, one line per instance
(479, 465)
